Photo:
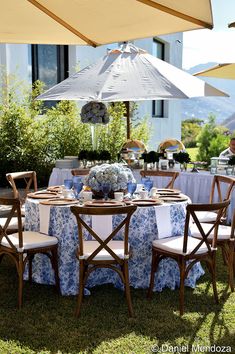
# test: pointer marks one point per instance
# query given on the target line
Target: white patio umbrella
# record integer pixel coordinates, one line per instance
(97, 22)
(129, 74)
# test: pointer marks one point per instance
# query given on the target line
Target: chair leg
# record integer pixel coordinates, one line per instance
(127, 289)
(54, 263)
(1, 258)
(211, 267)
(155, 261)
(182, 266)
(20, 281)
(81, 288)
(230, 265)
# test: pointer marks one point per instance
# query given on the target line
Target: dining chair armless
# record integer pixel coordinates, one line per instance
(103, 253)
(21, 182)
(186, 250)
(80, 172)
(221, 189)
(226, 241)
(170, 175)
(22, 246)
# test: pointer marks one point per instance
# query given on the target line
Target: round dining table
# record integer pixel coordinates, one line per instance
(147, 224)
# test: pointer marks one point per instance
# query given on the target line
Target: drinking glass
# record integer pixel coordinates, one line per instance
(68, 183)
(148, 185)
(77, 189)
(106, 188)
(131, 187)
(77, 179)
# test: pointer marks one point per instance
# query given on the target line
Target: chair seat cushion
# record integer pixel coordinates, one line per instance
(175, 245)
(90, 246)
(206, 216)
(13, 223)
(224, 231)
(31, 239)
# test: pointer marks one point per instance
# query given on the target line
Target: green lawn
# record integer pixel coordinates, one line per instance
(46, 323)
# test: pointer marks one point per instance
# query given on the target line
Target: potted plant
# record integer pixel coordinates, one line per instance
(231, 162)
(183, 158)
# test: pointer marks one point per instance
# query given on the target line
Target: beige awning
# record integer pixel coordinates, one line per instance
(222, 71)
(97, 22)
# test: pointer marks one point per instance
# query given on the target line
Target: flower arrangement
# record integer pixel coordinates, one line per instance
(116, 174)
(94, 112)
(231, 160)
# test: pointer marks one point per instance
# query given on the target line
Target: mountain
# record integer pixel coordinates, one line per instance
(201, 107)
(230, 122)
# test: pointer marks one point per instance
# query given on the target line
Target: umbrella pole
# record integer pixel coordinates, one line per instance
(128, 123)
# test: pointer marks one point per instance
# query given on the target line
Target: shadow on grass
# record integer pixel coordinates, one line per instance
(47, 320)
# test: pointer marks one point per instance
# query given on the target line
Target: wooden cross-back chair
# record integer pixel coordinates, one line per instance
(172, 175)
(226, 241)
(103, 253)
(80, 172)
(185, 248)
(216, 192)
(26, 179)
(23, 245)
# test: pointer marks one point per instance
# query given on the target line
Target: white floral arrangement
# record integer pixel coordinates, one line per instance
(116, 174)
(94, 112)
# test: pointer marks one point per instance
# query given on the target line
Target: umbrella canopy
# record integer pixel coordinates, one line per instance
(129, 74)
(97, 22)
(172, 145)
(222, 71)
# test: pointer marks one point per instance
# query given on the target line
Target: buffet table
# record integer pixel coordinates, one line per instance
(145, 226)
(196, 185)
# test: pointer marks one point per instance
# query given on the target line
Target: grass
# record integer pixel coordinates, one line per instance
(192, 153)
(46, 324)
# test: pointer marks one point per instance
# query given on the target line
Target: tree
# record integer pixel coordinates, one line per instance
(190, 130)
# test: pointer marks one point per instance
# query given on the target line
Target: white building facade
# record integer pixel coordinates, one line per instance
(53, 64)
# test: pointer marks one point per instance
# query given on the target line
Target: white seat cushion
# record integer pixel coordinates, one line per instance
(31, 239)
(206, 216)
(13, 223)
(224, 231)
(175, 245)
(90, 246)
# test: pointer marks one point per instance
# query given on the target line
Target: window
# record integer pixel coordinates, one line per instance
(159, 52)
(50, 65)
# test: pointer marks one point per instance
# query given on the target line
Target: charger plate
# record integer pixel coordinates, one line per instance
(174, 198)
(43, 195)
(102, 203)
(54, 189)
(59, 201)
(144, 202)
(167, 191)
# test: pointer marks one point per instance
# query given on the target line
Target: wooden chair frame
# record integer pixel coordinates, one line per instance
(158, 173)
(20, 256)
(30, 179)
(80, 172)
(86, 266)
(216, 185)
(182, 259)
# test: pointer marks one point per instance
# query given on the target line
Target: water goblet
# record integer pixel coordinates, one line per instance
(68, 183)
(77, 179)
(131, 188)
(148, 185)
(77, 189)
(106, 188)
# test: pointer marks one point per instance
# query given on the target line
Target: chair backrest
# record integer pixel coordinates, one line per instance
(126, 211)
(216, 189)
(192, 209)
(22, 180)
(172, 175)
(80, 172)
(14, 212)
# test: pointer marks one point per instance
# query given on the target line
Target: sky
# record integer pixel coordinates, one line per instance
(216, 45)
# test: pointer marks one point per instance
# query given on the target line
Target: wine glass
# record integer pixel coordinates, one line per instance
(68, 183)
(148, 184)
(77, 179)
(131, 187)
(106, 188)
(77, 188)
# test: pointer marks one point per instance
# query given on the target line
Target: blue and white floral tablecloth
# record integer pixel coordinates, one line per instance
(143, 230)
